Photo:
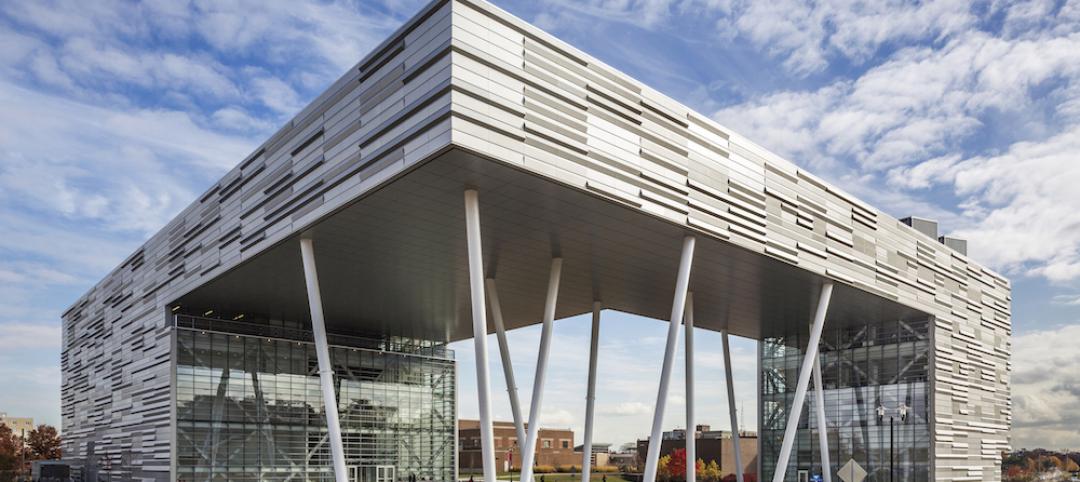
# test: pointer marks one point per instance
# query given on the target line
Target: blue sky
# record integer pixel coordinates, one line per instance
(115, 115)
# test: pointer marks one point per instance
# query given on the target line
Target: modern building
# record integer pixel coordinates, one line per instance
(712, 446)
(20, 426)
(600, 453)
(292, 321)
(625, 461)
(554, 448)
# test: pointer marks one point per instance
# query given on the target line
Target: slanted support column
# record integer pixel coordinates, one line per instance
(822, 423)
(804, 380)
(590, 394)
(322, 351)
(731, 407)
(504, 354)
(678, 305)
(529, 453)
(691, 425)
(479, 315)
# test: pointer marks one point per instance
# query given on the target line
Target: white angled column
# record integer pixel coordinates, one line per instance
(529, 453)
(590, 394)
(479, 315)
(507, 366)
(737, 447)
(691, 425)
(682, 285)
(322, 351)
(804, 380)
(822, 423)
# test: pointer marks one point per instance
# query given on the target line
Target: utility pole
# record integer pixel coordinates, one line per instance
(22, 450)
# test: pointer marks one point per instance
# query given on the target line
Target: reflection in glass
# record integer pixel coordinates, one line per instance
(864, 367)
(250, 408)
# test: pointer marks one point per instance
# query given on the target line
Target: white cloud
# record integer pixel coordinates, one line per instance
(628, 408)
(1045, 393)
(1070, 299)
(921, 103)
(804, 36)
(1026, 199)
(118, 167)
(27, 336)
(558, 418)
(236, 119)
(904, 123)
(277, 95)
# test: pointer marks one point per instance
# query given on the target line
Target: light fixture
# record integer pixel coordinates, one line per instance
(208, 313)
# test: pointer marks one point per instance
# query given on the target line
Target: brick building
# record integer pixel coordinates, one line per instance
(554, 447)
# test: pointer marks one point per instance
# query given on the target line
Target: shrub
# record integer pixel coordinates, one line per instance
(543, 469)
(608, 469)
(662, 472)
(676, 466)
(711, 472)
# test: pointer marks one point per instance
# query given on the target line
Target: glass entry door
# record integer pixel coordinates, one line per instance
(378, 473)
(385, 473)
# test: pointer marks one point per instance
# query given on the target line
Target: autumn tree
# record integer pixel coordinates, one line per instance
(1057, 463)
(1071, 465)
(662, 472)
(711, 472)
(43, 443)
(9, 452)
(676, 466)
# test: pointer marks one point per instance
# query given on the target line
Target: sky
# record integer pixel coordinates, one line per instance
(114, 115)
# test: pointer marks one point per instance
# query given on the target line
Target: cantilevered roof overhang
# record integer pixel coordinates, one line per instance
(394, 262)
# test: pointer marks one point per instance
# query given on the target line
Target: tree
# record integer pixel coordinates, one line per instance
(1056, 462)
(1045, 463)
(44, 443)
(676, 466)
(662, 472)
(1071, 465)
(9, 452)
(711, 472)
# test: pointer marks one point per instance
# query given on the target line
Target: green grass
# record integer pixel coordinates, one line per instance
(565, 477)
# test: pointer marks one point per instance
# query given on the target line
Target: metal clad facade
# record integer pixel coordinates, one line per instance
(525, 98)
(466, 73)
(385, 114)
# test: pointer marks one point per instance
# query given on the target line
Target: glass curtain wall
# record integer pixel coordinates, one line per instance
(876, 388)
(251, 408)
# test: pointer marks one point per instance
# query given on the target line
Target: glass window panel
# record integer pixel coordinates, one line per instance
(250, 408)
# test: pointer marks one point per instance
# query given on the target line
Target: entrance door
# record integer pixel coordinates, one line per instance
(804, 476)
(354, 474)
(385, 473)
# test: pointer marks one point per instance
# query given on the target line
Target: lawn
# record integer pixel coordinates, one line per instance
(563, 477)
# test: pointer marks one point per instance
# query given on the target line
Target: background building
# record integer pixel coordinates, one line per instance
(600, 453)
(712, 446)
(19, 425)
(554, 447)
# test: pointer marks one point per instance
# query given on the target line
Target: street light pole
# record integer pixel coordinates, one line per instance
(892, 468)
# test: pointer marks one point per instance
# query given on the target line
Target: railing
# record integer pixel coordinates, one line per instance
(394, 345)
